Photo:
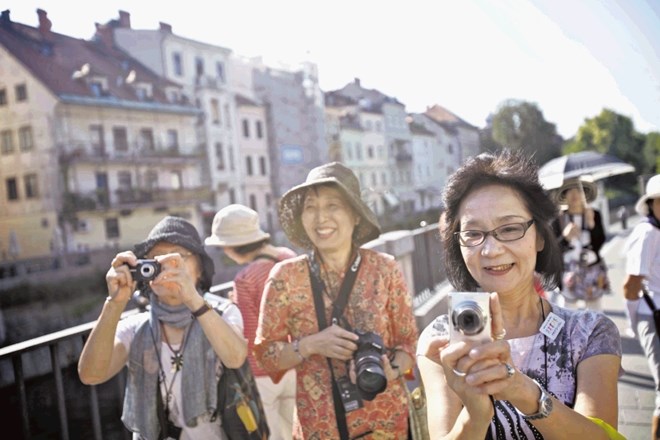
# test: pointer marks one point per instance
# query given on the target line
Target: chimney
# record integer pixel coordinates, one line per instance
(124, 20)
(357, 82)
(165, 27)
(4, 18)
(104, 35)
(44, 23)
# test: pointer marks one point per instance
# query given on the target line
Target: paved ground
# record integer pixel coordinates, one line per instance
(636, 388)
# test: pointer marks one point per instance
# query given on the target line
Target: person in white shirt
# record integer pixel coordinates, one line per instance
(643, 271)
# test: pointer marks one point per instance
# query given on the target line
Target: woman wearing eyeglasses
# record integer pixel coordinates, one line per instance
(546, 372)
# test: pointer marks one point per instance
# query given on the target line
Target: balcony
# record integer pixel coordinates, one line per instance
(209, 82)
(403, 157)
(138, 154)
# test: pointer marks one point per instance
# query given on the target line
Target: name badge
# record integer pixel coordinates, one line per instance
(552, 326)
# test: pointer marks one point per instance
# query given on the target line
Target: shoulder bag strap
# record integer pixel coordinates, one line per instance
(648, 299)
(338, 308)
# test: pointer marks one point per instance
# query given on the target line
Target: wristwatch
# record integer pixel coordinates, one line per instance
(545, 405)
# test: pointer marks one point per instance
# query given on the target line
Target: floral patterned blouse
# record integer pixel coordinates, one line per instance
(379, 302)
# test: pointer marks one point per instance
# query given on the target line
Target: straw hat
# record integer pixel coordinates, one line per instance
(178, 231)
(337, 174)
(235, 225)
(652, 192)
(590, 190)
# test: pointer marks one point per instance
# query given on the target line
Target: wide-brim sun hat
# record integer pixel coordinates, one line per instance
(590, 189)
(180, 232)
(235, 225)
(337, 174)
(652, 192)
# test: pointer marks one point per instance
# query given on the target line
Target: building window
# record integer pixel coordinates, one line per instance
(21, 93)
(370, 152)
(349, 151)
(96, 88)
(358, 151)
(450, 148)
(220, 155)
(125, 180)
(172, 140)
(262, 165)
(227, 116)
(269, 199)
(220, 71)
(378, 126)
(6, 142)
(178, 65)
(260, 133)
(374, 181)
(147, 139)
(246, 128)
(25, 138)
(383, 178)
(232, 164)
(12, 188)
(253, 202)
(120, 138)
(176, 179)
(215, 111)
(96, 139)
(3, 96)
(248, 165)
(151, 179)
(199, 66)
(31, 186)
(232, 195)
(111, 228)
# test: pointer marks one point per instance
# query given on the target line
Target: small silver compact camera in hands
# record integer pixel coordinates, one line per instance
(469, 316)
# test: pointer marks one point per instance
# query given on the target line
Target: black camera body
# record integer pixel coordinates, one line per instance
(145, 270)
(371, 379)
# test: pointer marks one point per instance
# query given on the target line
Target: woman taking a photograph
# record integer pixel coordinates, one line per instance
(173, 351)
(547, 372)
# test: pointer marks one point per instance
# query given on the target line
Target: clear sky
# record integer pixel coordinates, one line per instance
(572, 58)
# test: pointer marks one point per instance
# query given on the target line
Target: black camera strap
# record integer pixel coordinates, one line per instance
(338, 306)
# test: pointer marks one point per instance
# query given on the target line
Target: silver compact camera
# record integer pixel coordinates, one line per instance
(469, 316)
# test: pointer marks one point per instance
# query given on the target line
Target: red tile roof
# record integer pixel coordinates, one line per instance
(53, 58)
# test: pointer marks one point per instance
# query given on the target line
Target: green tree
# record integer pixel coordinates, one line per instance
(651, 153)
(610, 133)
(520, 125)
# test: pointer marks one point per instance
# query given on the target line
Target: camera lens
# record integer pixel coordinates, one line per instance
(147, 270)
(371, 378)
(469, 318)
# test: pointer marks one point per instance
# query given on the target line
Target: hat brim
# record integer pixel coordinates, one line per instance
(641, 207)
(590, 191)
(290, 208)
(214, 240)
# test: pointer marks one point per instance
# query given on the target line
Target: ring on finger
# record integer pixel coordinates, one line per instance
(510, 371)
(500, 335)
(459, 373)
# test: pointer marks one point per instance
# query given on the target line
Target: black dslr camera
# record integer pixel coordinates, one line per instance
(371, 379)
(145, 270)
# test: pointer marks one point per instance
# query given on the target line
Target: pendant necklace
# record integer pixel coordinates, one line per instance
(177, 355)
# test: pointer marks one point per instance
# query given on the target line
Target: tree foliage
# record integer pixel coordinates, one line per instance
(612, 133)
(520, 125)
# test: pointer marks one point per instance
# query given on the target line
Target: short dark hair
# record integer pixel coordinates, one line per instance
(518, 172)
(250, 247)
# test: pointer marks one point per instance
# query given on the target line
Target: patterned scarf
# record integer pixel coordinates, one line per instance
(198, 375)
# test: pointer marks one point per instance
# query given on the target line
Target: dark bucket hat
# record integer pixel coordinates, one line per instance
(178, 231)
(337, 174)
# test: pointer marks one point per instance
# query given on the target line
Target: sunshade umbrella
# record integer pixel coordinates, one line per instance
(590, 164)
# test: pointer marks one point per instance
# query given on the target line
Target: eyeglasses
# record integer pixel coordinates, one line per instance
(509, 232)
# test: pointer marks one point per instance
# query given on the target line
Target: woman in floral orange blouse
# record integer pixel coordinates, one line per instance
(327, 216)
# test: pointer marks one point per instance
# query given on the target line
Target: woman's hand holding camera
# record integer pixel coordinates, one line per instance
(333, 342)
(175, 280)
(119, 278)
